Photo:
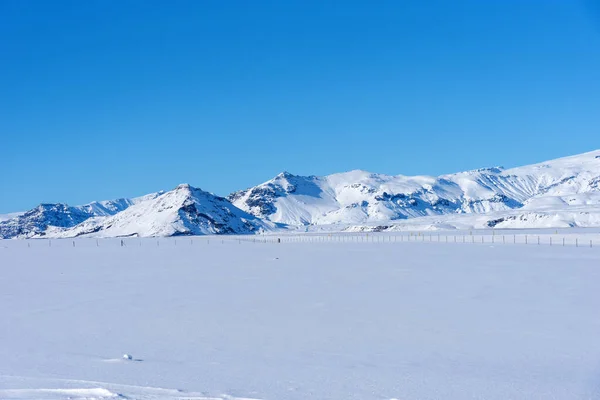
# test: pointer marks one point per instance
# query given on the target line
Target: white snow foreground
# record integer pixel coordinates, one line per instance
(227, 319)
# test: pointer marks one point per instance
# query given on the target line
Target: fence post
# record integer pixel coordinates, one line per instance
(538, 240)
(525, 239)
(73, 243)
(550, 240)
(503, 240)
(576, 242)
(563, 242)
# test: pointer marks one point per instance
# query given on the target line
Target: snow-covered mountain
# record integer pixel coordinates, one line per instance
(359, 197)
(35, 222)
(559, 193)
(184, 210)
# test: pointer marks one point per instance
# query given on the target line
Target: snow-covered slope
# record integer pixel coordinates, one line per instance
(6, 217)
(358, 197)
(183, 211)
(36, 222)
(111, 207)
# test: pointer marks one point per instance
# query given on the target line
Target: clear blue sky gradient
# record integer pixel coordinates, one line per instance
(103, 98)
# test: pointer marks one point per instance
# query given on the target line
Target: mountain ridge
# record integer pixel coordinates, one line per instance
(546, 191)
(184, 210)
(362, 197)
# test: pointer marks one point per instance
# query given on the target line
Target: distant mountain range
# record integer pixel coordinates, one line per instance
(558, 193)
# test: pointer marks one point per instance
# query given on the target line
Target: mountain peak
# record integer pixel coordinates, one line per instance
(185, 210)
(184, 186)
(285, 175)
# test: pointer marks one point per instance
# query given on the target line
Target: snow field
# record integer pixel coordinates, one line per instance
(227, 318)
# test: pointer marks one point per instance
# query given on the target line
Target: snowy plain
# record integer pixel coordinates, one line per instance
(313, 317)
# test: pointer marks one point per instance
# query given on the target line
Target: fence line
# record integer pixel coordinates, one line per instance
(409, 237)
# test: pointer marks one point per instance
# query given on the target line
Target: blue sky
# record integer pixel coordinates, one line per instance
(103, 98)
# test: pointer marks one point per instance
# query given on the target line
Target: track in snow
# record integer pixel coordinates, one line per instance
(65, 389)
